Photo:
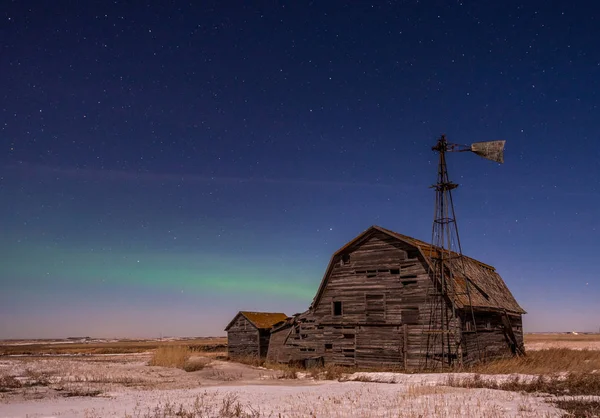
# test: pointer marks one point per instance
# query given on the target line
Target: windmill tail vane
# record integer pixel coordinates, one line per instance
(491, 150)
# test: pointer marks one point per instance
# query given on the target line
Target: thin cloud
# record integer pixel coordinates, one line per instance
(92, 174)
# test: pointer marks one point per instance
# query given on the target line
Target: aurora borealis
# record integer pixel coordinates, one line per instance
(165, 166)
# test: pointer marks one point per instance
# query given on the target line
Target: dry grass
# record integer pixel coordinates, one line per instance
(214, 344)
(546, 361)
(553, 337)
(204, 405)
(178, 357)
(194, 365)
(225, 376)
(7, 383)
(329, 372)
(170, 356)
(253, 361)
(573, 384)
(79, 392)
(579, 408)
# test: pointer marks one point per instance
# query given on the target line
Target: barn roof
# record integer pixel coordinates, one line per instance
(261, 320)
(487, 289)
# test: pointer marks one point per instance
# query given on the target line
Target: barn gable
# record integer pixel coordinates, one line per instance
(374, 281)
(488, 290)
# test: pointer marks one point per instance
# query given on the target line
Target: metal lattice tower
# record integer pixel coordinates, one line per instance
(444, 341)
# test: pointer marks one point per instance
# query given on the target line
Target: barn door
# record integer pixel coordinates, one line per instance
(377, 345)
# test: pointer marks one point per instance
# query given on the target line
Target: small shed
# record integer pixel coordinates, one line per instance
(248, 333)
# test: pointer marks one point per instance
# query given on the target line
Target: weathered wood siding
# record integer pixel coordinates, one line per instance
(242, 339)
(491, 340)
(379, 346)
(264, 336)
(382, 274)
(517, 326)
(277, 348)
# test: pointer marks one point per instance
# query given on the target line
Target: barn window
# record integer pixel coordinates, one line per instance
(410, 316)
(337, 308)
(345, 259)
(328, 347)
(394, 271)
(412, 253)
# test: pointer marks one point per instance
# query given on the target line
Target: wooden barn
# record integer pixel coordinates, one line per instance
(248, 333)
(374, 306)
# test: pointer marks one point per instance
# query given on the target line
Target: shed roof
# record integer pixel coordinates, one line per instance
(487, 289)
(261, 320)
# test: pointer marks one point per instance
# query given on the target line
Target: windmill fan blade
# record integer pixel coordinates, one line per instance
(491, 150)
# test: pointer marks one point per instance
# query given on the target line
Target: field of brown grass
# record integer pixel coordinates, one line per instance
(535, 342)
(208, 344)
(553, 337)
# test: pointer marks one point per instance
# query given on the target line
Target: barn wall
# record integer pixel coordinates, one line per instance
(491, 338)
(382, 288)
(242, 339)
(278, 351)
(517, 326)
(381, 274)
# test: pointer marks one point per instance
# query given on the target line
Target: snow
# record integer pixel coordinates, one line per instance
(326, 399)
(435, 378)
(126, 386)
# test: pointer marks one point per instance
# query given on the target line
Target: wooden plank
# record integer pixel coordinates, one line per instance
(405, 344)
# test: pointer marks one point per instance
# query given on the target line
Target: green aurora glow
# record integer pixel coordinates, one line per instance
(190, 272)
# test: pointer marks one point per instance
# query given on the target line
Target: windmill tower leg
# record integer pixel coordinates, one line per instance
(444, 337)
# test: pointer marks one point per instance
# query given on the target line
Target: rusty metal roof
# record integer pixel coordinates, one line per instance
(487, 289)
(261, 320)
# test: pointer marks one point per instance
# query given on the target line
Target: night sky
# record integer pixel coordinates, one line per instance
(166, 165)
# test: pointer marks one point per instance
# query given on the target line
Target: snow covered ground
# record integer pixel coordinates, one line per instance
(124, 386)
(323, 399)
(572, 345)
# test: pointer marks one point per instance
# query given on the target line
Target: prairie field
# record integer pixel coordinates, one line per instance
(560, 376)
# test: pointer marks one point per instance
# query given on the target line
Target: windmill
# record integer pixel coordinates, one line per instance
(443, 338)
